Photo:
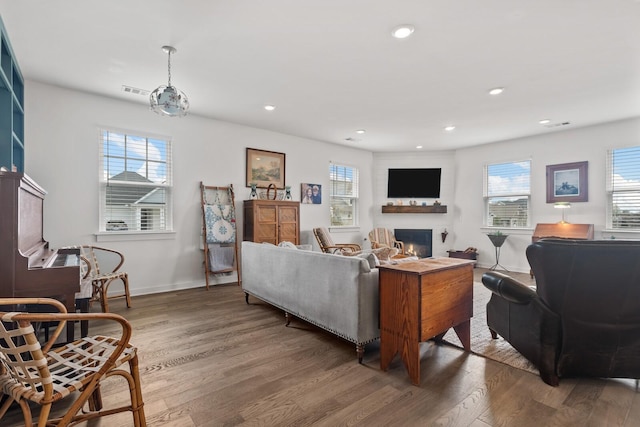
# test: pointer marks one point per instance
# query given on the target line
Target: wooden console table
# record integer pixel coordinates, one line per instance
(421, 300)
(562, 230)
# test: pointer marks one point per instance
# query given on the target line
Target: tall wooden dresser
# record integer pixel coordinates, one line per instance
(271, 221)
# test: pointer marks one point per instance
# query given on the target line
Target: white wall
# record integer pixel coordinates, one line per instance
(462, 188)
(61, 134)
(61, 138)
(576, 145)
(436, 222)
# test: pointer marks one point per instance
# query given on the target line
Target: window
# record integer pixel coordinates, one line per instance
(135, 183)
(507, 194)
(343, 195)
(623, 188)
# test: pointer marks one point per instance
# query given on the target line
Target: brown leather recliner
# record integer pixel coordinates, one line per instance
(582, 318)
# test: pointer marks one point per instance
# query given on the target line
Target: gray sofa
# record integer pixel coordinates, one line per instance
(336, 293)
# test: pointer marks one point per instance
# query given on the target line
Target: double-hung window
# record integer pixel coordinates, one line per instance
(135, 182)
(623, 188)
(343, 195)
(507, 194)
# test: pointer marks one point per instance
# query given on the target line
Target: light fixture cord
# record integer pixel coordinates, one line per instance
(169, 68)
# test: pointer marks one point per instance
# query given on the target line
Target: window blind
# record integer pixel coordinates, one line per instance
(507, 191)
(135, 183)
(343, 189)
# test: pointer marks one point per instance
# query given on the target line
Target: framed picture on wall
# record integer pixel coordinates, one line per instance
(567, 182)
(311, 194)
(265, 168)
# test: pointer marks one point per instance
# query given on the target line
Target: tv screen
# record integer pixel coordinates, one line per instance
(414, 183)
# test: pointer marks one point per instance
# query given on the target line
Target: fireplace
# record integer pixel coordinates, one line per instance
(416, 242)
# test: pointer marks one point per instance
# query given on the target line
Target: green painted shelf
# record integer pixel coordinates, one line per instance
(11, 107)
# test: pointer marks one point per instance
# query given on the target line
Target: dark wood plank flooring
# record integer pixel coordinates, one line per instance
(208, 359)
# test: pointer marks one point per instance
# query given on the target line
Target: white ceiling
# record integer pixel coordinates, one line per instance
(331, 66)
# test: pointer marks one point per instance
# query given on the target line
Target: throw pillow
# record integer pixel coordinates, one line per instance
(286, 244)
(384, 253)
(371, 259)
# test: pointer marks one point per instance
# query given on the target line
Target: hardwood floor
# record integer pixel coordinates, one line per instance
(208, 359)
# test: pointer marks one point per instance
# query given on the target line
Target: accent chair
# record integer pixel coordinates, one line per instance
(583, 316)
(327, 244)
(382, 237)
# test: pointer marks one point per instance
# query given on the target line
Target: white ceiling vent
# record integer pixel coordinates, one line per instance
(555, 125)
(135, 90)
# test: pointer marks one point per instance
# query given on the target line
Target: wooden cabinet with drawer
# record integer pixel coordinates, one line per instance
(271, 221)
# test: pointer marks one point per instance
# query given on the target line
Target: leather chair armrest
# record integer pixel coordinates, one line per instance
(508, 287)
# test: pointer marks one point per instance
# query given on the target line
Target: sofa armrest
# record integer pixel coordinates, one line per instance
(508, 288)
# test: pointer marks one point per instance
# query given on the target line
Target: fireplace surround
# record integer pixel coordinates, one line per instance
(417, 242)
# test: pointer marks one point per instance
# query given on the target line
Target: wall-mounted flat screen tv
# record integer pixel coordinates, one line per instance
(414, 183)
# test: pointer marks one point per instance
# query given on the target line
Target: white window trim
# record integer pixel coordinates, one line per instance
(120, 236)
(110, 236)
(356, 211)
(486, 197)
(631, 234)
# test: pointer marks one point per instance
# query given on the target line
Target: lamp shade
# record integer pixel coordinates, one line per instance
(169, 101)
(562, 205)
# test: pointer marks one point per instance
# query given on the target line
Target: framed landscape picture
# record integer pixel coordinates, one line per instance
(265, 168)
(567, 183)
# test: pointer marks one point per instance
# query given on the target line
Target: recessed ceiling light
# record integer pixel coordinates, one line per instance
(418, 146)
(496, 91)
(544, 121)
(403, 31)
(360, 131)
(269, 107)
(449, 128)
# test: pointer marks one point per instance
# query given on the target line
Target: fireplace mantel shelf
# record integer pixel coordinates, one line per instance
(414, 209)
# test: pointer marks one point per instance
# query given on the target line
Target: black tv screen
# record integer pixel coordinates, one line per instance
(414, 183)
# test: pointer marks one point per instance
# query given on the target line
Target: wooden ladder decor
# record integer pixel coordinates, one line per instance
(219, 235)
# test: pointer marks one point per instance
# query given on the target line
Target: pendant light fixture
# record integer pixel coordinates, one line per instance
(169, 100)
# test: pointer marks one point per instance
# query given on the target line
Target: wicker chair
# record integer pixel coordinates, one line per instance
(382, 237)
(101, 280)
(31, 373)
(327, 245)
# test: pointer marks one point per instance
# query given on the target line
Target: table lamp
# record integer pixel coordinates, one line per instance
(563, 206)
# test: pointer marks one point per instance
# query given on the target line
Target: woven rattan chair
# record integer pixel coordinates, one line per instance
(381, 237)
(327, 245)
(31, 373)
(100, 279)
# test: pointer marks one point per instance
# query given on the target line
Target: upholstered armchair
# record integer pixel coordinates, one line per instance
(327, 245)
(583, 316)
(382, 237)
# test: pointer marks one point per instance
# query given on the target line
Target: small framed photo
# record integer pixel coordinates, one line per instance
(265, 168)
(567, 182)
(311, 194)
